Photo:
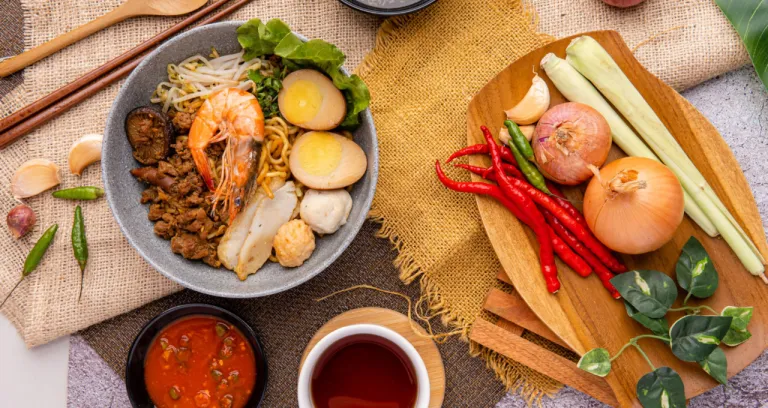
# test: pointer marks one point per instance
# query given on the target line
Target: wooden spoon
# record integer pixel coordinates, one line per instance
(130, 8)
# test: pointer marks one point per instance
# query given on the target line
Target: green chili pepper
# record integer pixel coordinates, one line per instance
(529, 170)
(519, 140)
(80, 245)
(34, 256)
(79, 193)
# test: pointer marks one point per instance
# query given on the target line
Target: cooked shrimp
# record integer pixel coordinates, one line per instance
(233, 115)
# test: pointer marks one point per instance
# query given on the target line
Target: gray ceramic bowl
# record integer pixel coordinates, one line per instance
(123, 191)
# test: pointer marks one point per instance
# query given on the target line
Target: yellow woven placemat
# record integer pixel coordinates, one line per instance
(422, 74)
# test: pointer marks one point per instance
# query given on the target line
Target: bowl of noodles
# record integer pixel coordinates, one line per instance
(240, 159)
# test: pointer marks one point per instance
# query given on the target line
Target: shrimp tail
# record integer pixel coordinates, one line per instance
(201, 162)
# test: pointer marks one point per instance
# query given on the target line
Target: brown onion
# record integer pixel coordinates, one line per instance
(570, 137)
(634, 206)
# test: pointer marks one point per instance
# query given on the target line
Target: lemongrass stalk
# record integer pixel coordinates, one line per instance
(593, 61)
(576, 88)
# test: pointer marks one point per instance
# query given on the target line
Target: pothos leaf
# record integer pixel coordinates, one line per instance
(596, 361)
(695, 271)
(694, 337)
(750, 19)
(716, 365)
(661, 388)
(650, 292)
(735, 337)
(659, 327)
(741, 316)
(738, 332)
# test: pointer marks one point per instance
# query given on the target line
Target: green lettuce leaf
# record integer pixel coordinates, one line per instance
(275, 38)
(750, 19)
(259, 39)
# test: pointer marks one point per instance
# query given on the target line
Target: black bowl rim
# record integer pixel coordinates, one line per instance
(387, 12)
(199, 309)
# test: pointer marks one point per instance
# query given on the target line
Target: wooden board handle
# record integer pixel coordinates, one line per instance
(29, 57)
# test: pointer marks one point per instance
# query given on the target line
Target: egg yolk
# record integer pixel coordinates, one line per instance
(320, 154)
(302, 101)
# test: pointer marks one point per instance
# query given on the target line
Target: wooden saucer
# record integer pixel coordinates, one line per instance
(399, 323)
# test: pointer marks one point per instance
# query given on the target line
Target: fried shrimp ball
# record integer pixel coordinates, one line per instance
(294, 243)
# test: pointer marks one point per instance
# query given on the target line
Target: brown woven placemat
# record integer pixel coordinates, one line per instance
(287, 321)
(11, 40)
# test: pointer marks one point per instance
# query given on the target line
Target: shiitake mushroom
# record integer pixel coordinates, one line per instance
(150, 132)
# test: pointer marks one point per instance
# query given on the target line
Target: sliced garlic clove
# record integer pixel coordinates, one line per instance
(33, 177)
(533, 105)
(83, 152)
(528, 131)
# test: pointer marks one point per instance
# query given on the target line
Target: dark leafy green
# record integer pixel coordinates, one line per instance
(650, 292)
(695, 271)
(661, 388)
(750, 19)
(659, 327)
(275, 37)
(596, 361)
(694, 337)
(716, 365)
(267, 89)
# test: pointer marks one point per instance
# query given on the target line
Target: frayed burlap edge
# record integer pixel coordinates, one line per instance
(411, 271)
(437, 305)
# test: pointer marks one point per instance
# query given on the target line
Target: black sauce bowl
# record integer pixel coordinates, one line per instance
(134, 368)
(387, 11)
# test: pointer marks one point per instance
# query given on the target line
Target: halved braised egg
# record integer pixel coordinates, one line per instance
(326, 161)
(310, 100)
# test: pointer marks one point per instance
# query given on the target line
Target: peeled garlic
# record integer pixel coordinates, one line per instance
(528, 131)
(534, 104)
(83, 152)
(33, 177)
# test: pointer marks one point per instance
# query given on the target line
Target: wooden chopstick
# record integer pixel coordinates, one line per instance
(61, 100)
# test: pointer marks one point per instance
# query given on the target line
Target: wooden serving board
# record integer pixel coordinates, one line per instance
(402, 325)
(581, 313)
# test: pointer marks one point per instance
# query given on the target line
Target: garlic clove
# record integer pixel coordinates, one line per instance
(33, 177)
(83, 152)
(533, 105)
(528, 131)
(504, 136)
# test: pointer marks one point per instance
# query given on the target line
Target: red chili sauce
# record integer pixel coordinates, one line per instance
(200, 361)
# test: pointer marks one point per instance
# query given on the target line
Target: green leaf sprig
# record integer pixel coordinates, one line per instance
(648, 297)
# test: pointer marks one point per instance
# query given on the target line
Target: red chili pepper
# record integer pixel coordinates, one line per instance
(547, 202)
(600, 270)
(506, 154)
(538, 224)
(560, 248)
(559, 197)
(567, 255)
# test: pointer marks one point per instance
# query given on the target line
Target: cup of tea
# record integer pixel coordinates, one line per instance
(363, 365)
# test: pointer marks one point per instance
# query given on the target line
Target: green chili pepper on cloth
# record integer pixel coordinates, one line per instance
(80, 245)
(34, 256)
(79, 193)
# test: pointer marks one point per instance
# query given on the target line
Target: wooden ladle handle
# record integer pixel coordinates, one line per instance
(18, 62)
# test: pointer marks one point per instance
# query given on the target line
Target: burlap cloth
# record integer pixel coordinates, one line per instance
(424, 70)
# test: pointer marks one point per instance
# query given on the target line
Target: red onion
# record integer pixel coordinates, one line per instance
(568, 139)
